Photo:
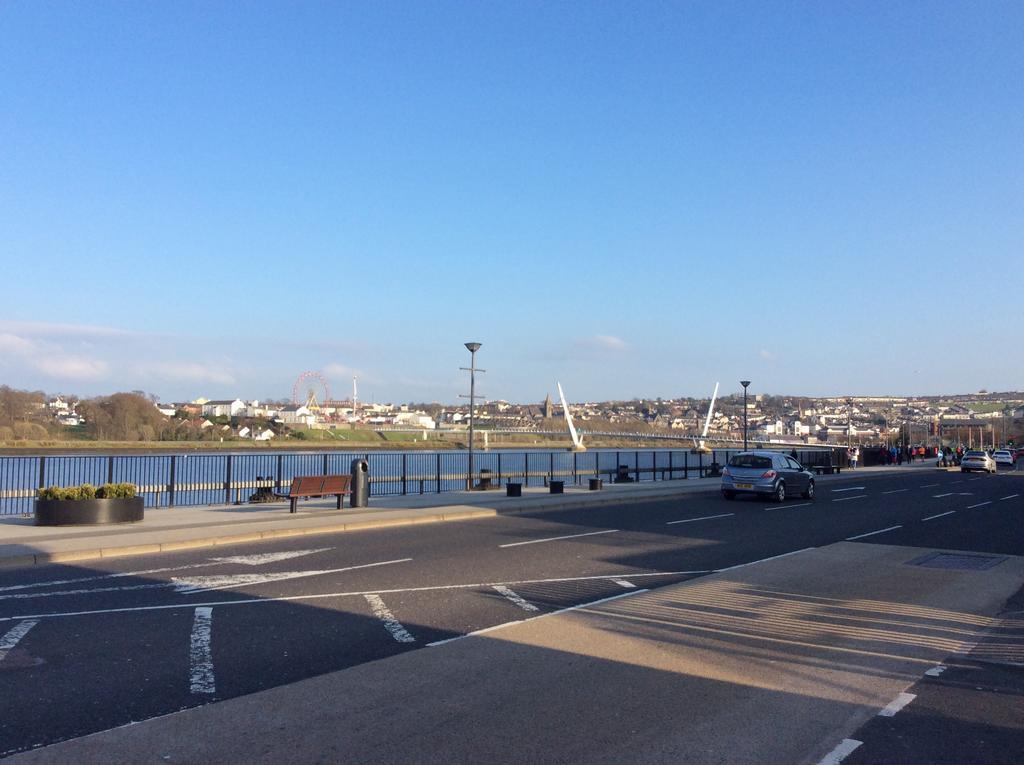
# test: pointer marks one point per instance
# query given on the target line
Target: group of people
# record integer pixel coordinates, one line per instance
(888, 455)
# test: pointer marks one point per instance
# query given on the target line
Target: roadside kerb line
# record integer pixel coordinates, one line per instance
(843, 750)
(16, 633)
(555, 539)
(787, 507)
(872, 533)
(702, 518)
(933, 517)
(897, 704)
(200, 655)
(391, 624)
(514, 597)
(847, 499)
(762, 560)
(496, 627)
(980, 504)
(343, 594)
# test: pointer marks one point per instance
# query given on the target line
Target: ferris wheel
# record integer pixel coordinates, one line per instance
(308, 386)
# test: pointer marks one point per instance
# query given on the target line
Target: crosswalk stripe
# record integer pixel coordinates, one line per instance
(200, 653)
(13, 635)
(381, 611)
(513, 596)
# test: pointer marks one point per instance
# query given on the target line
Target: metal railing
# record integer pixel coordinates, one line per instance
(175, 480)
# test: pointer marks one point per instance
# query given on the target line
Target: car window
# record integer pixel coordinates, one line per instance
(793, 464)
(975, 454)
(750, 461)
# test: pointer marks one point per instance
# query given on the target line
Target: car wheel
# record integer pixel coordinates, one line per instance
(809, 494)
(729, 494)
(780, 492)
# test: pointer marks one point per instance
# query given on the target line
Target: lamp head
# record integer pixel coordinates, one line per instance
(473, 347)
(744, 383)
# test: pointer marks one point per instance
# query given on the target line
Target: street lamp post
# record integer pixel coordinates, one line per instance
(744, 383)
(473, 348)
(849, 423)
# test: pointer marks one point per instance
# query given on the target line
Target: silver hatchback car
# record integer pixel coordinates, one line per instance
(977, 460)
(769, 474)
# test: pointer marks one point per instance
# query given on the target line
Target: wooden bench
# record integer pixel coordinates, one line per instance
(308, 486)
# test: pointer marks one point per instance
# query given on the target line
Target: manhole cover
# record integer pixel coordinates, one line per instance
(958, 561)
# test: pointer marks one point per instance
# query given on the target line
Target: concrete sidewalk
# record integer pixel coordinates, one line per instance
(775, 662)
(180, 528)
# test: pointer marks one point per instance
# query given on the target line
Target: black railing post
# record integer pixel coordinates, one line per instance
(439, 472)
(551, 468)
(671, 472)
(700, 465)
(110, 469)
(575, 478)
(42, 472)
(636, 462)
(227, 481)
(499, 468)
(171, 485)
(325, 465)
(280, 467)
(404, 474)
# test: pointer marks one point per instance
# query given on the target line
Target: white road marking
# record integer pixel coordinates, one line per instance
(894, 491)
(55, 582)
(398, 632)
(953, 482)
(980, 504)
(485, 630)
(787, 507)
(14, 634)
(940, 496)
(515, 597)
(929, 485)
(972, 480)
(936, 671)
(624, 583)
(342, 594)
(933, 517)
(762, 560)
(259, 560)
(897, 704)
(555, 539)
(702, 518)
(872, 533)
(200, 655)
(1012, 496)
(850, 488)
(58, 593)
(193, 584)
(847, 499)
(841, 752)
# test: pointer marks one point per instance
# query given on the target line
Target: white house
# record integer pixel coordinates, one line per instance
(266, 435)
(223, 408)
(167, 410)
(296, 414)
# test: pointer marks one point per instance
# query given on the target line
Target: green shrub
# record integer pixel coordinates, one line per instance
(88, 491)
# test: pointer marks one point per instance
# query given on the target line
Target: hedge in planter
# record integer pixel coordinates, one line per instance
(87, 505)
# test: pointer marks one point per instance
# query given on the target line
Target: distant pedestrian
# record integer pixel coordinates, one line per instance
(854, 457)
(899, 456)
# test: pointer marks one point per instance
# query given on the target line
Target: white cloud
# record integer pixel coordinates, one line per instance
(610, 342)
(335, 371)
(71, 367)
(13, 344)
(45, 329)
(767, 355)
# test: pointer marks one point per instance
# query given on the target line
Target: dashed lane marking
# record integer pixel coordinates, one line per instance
(980, 504)
(849, 488)
(349, 594)
(193, 584)
(496, 627)
(929, 485)
(260, 559)
(515, 597)
(702, 518)
(841, 752)
(787, 507)
(872, 533)
(894, 491)
(1012, 496)
(200, 655)
(13, 635)
(933, 517)
(555, 539)
(940, 496)
(624, 583)
(391, 624)
(897, 704)
(847, 499)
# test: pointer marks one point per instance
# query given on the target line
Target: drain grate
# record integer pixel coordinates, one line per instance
(958, 561)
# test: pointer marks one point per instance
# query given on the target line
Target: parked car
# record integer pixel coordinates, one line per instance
(768, 474)
(976, 460)
(1003, 457)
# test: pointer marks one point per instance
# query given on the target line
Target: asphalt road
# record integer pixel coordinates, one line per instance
(84, 648)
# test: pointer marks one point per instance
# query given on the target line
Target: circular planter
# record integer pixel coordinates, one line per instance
(87, 512)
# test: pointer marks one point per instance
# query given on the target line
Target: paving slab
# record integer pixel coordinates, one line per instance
(776, 661)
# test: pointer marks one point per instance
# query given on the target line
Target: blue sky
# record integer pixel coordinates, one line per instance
(637, 199)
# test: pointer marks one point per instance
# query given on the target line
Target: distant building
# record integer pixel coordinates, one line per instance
(223, 408)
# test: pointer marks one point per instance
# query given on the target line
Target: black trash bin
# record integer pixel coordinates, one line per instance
(360, 496)
(596, 484)
(556, 487)
(622, 475)
(513, 489)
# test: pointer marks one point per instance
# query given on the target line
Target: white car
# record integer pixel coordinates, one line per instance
(1003, 457)
(976, 460)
